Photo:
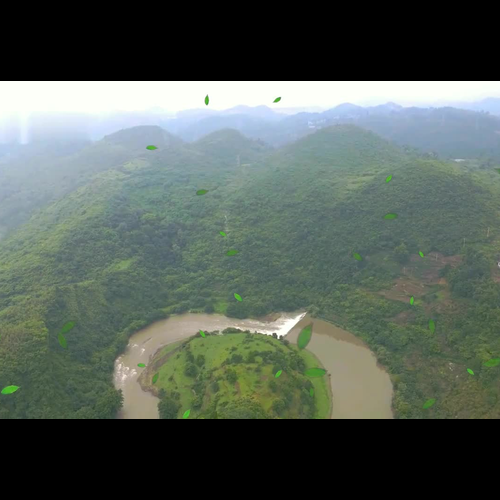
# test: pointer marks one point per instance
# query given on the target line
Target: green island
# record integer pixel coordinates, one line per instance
(233, 376)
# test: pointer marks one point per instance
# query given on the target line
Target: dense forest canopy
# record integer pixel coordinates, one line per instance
(125, 240)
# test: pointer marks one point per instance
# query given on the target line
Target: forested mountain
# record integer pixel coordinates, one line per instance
(449, 132)
(35, 175)
(132, 243)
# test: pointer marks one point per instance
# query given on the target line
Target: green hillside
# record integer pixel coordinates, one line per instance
(234, 376)
(41, 173)
(450, 132)
(135, 243)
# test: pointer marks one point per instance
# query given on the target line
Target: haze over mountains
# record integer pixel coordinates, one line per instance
(415, 126)
(489, 105)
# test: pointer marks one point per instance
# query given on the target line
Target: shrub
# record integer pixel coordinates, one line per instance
(191, 370)
(168, 409)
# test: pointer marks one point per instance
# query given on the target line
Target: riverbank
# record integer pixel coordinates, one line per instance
(361, 387)
(358, 335)
(144, 344)
(152, 368)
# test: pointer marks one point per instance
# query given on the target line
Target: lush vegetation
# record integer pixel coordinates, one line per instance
(133, 243)
(234, 376)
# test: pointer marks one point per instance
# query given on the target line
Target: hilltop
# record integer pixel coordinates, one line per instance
(233, 375)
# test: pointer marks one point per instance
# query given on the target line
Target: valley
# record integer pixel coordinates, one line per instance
(130, 243)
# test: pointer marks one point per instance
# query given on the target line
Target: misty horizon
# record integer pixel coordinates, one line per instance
(111, 97)
(24, 128)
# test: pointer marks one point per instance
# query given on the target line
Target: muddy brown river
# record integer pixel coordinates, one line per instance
(361, 389)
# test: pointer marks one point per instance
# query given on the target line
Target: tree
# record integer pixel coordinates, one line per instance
(279, 407)
(401, 254)
(109, 403)
(237, 309)
(259, 309)
(236, 359)
(191, 370)
(443, 273)
(197, 402)
(242, 409)
(231, 376)
(168, 409)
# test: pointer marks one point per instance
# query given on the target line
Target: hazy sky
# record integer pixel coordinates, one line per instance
(92, 97)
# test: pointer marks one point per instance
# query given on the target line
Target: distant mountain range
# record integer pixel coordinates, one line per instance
(488, 105)
(446, 131)
(459, 130)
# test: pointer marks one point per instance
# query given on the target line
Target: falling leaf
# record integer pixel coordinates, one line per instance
(311, 392)
(411, 301)
(304, 337)
(10, 389)
(432, 326)
(67, 327)
(492, 362)
(202, 333)
(201, 191)
(207, 100)
(357, 256)
(470, 371)
(278, 374)
(428, 403)
(388, 178)
(222, 233)
(141, 365)
(232, 252)
(186, 414)
(237, 297)
(62, 341)
(155, 378)
(315, 372)
(278, 99)
(390, 216)
(151, 148)
(421, 254)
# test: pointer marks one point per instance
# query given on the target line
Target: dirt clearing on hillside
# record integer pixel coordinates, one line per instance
(420, 277)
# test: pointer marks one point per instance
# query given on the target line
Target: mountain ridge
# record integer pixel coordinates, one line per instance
(134, 244)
